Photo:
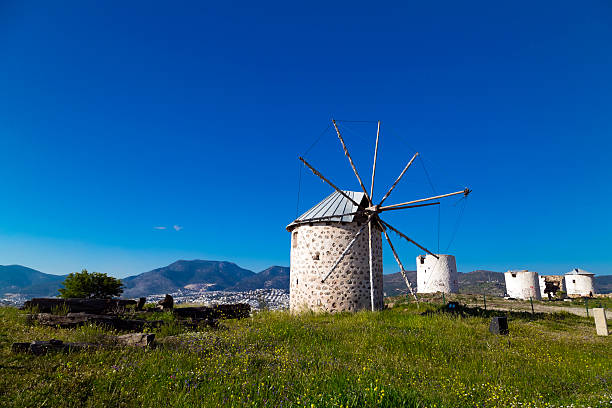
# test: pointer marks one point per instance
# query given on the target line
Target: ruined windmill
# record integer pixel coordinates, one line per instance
(336, 246)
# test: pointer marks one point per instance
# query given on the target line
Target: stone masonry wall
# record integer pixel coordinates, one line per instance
(314, 249)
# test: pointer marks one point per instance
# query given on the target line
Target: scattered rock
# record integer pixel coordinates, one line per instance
(72, 320)
(20, 347)
(39, 348)
(167, 303)
(141, 303)
(136, 339)
(97, 306)
(231, 311)
(202, 312)
(499, 325)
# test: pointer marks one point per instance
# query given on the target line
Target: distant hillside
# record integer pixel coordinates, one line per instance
(394, 284)
(481, 281)
(275, 277)
(28, 281)
(219, 275)
(603, 284)
(168, 279)
(472, 282)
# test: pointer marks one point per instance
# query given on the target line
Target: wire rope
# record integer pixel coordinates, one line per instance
(300, 167)
(458, 222)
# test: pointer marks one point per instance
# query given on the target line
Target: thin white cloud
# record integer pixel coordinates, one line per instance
(177, 227)
(159, 228)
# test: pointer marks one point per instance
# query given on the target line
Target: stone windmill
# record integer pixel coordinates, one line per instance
(334, 265)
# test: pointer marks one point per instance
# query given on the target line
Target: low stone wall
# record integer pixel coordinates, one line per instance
(99, 306)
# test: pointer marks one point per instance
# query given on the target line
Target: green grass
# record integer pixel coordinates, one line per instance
(395, 358)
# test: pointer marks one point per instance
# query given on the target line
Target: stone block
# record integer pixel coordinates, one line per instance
(136, 339)
(20, 347)
(499, 325)
(141, 303)
(40, 348)
(601, 323)
(167, 303)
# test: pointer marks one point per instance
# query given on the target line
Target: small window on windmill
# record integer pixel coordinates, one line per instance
(315, 257)
(573, 280)
(294, 239)
(514, 275)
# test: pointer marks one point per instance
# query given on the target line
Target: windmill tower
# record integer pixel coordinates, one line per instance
(579, 283)
(336, 246)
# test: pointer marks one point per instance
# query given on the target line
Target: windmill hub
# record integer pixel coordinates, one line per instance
(373, 209)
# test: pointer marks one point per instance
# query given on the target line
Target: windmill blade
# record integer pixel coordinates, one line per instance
(398, 179)
(409, 240)
(465, 192)
(348, 247)
(351, 161)
(399, 263)
(374, 165)
(316, 173)
(371, 264)
(411, 206)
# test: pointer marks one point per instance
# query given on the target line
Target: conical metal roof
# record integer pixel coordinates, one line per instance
(334, 206)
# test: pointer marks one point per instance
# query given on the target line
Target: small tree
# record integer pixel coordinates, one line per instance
(94, 285)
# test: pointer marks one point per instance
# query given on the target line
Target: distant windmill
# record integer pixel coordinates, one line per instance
(333, 265)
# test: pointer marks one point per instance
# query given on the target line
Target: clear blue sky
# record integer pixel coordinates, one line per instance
(119, 117)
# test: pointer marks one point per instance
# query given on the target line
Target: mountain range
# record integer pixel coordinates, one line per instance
(212, 275)
(22, 280)
(220, 275)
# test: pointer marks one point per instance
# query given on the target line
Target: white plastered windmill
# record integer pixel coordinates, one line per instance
(333, 265)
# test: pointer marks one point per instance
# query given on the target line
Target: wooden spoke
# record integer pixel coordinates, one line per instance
(411, 206)
(398, 179)
(409, 240)
(399, 263)
(348, 247)
(374, 165)
(351, 161)
(371, 264)
(465, 192)
(316, 173)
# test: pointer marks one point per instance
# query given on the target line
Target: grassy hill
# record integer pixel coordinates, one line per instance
(402, 357)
